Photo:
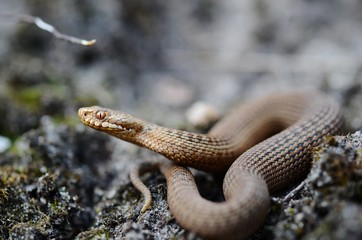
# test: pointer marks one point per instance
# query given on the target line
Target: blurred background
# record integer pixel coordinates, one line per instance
(163, 56)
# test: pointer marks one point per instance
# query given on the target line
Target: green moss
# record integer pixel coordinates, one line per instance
(32, 97)
(41, 224)
(29, 97)
(4, 195)
(12, 176)
(291, 211)
(96, 233)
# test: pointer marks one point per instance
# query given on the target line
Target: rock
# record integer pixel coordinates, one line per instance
(329, 204)
(202, 115)
(5, 144)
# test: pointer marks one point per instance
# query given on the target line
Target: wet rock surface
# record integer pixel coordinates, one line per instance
(329, 203)
(61, 180)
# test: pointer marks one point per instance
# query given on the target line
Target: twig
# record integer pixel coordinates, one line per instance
(49, 28)
(296, 190)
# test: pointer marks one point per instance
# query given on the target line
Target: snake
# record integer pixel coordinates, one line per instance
(264, 146)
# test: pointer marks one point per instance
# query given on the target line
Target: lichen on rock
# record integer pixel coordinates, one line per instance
(329, 204)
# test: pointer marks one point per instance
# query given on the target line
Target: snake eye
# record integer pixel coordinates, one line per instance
(101, 114)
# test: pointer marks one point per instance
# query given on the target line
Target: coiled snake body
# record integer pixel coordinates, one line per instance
(265, 145)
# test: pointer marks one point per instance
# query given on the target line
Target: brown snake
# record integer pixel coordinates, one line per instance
(266, 145)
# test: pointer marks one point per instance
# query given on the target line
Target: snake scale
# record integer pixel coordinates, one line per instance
(265, 146)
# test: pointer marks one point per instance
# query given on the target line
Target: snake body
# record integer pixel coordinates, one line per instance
(265, 146)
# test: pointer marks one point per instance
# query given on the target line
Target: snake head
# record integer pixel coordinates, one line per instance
(119, 124)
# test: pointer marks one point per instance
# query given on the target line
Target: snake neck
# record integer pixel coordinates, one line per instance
(198, 150)
(214, 151)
